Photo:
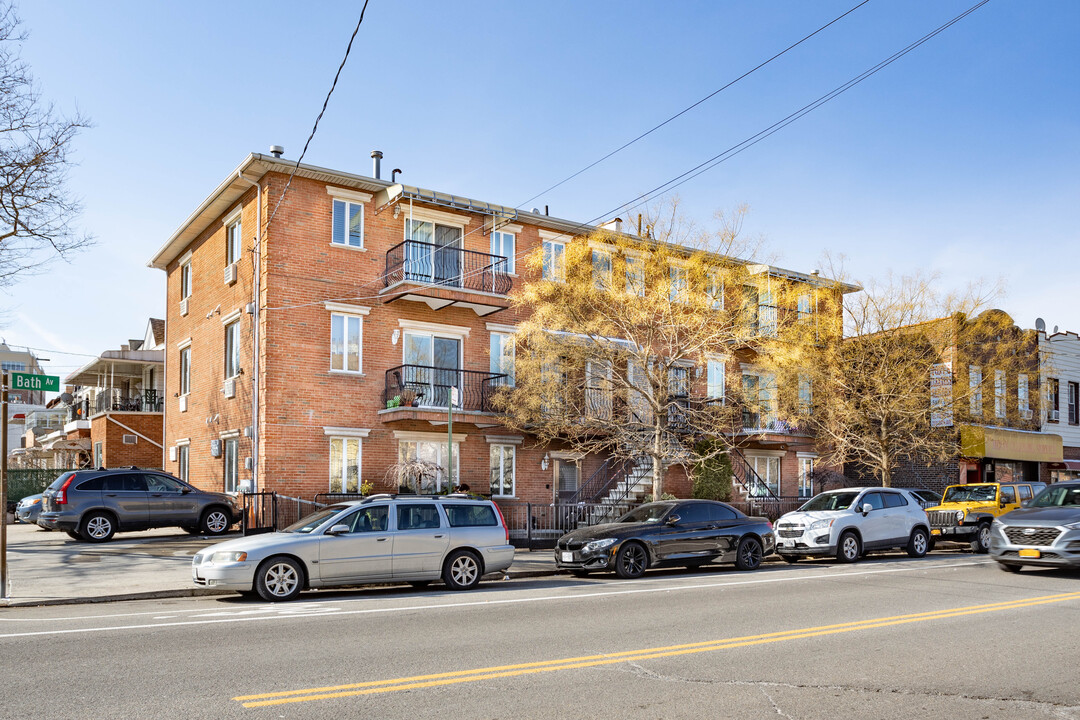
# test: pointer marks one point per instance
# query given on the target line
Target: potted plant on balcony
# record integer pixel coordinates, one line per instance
(393, 402)
(409, 398)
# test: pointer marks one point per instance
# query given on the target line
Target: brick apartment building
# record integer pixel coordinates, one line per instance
(285, 343)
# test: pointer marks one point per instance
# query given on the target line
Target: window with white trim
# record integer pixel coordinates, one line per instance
(185, 280)
(233, 239)
(345, 454)
(346, 342)
(999, 393)
(232, 464)
(426, 464)
(348, 224)
(502, 469)
(554, 267)
(601, 269)
(806, 394)
(766, 314)
(635, 276)
(1022, 403)
(975, 389)
(714, 371)
(806, 477)
(503, 243)
(714, 288)
(768, 469)
(232, 349)
(182, 455)
(502, 356)
(679, 284)
(185, 370)
(97, 455)
(804, 306)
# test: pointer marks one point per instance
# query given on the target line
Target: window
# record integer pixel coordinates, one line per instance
(185, 370)
(554, 269)
(873, 499)
(714, 371)
(470, 515)
(975, 389)
(344, 465)
(806, 395)
(502, 470)
(1053, 397)
(185, 281)
(751, 309)
(1022, 403)
(502, 243)
(417, 517)
(426, 465)
(348, 224)
(232, 349)
(232, 464)
(804, 307)
(766, 314)
(1074, 399)
(715, 290)
(373, 518)
(433, 252)
(432, 362)
(759, 396)
(635, 276)
(502, 357)
(679, 284)
(806, 477)
(13, 366)
(999, 393)
(1008, 494)
(640, 407)
(232, 242)
(182, 455)
(601, 269)
(894, 499)
(97, 455)
(162, 484)
(768, 469)
(346, 333)
(598, 400)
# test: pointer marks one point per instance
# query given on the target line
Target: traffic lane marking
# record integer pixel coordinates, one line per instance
(476, 675)
(285, 613)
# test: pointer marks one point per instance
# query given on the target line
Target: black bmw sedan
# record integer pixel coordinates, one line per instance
(689, 533)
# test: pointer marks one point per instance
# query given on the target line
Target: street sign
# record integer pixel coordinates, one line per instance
(32, 382)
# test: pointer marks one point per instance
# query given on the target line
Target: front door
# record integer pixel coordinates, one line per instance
(432, 368)
(566, 480)
(448, 255)
(420, 541)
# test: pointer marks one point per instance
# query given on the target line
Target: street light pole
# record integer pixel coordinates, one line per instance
(3, 485)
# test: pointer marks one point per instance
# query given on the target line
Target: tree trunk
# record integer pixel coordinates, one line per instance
(657, 470)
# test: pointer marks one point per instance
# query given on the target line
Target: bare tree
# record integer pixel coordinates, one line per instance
(37, 209)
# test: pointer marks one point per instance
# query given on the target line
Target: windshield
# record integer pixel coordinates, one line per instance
(651, 513)
(830, 501)
(1067, 495)
(315, 519)
(970, 493)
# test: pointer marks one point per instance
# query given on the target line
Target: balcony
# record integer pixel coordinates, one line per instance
(114, 400)
(423, 392)
(443, 276)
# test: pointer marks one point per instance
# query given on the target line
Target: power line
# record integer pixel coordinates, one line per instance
(691, 107)
(315, 127)
(704, 166)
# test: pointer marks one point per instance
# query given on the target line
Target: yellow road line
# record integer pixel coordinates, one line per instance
(452, 678)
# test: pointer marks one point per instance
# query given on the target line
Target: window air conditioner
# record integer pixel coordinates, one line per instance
(183, 307)
(230, 274)
(1053, 416)
(229, 389)
(130, 439)
(1026, 414)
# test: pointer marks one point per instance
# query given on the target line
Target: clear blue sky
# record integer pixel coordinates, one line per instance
(960, 158)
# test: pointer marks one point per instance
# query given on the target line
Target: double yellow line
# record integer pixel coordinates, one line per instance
(464, 676)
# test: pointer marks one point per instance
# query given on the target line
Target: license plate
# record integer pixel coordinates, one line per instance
(787, 543)
(1030, 553)
(568, 557)
(935, 532)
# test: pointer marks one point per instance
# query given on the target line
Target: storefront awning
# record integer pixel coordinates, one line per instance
(1070, 465)
(1001, 444)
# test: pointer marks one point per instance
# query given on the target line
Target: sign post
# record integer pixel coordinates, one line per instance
(450, 436)
(3, 485)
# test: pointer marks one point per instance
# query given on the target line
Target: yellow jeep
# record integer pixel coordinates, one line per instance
(966, 511)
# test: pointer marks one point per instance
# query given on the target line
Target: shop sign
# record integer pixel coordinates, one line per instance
(941, 383)
(983, 442)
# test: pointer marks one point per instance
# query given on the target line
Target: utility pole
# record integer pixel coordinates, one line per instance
(3, 486)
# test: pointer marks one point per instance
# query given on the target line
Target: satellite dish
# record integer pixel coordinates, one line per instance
(1040, 324)
(66, 398)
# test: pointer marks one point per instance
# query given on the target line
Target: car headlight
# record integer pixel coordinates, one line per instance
(1072, 526)
(959, 514)
(35, 501)
(228, 557)
(197, 559)
(598, 545)
(820, 525)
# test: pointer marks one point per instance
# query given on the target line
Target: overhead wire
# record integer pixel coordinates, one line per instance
(693, 172)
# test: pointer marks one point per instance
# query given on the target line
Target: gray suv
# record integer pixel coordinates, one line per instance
(1045, 532)
(92, 505)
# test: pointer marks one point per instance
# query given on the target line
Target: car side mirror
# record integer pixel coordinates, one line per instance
(339, 529)
(185, 491)
(866, 508)
(673, 519)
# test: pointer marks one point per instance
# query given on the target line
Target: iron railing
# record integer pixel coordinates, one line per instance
(748, 479)
(112, 400)
(769, 507)
(537, 525)
(448, 266)
(425, 386)
(603, 479)
(260, 513)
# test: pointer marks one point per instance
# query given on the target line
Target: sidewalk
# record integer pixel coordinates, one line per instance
(49, 568)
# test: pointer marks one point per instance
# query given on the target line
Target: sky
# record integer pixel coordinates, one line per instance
(958, 159)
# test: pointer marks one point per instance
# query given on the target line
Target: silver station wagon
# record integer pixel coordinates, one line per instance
(382, 538)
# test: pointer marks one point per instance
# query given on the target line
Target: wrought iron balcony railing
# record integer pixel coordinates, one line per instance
(424, 386)
(112, 400)
(447, 266)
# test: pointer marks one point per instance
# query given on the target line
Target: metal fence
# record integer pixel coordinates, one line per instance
(292, 509)
(30, 481)
(260, 513)
(537, 526)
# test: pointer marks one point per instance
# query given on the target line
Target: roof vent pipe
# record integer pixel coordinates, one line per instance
(276, 150)
(394, 173)
(545, 209)
(376, 163)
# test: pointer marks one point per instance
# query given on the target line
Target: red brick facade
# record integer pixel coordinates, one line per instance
(128, 438)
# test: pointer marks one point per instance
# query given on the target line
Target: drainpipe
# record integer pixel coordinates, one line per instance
(256, 260)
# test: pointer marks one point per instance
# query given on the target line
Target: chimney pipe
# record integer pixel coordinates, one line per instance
(376, 162)
(276, 150)
(394, 173)
(545, 209)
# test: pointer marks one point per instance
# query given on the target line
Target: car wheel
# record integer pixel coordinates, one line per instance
(73, 535)
(632, 561)
(461, 571)
(981, 543)
(419, 583)
(98, 527)
(790, 558)
(919, 544)
(1010, 567)
(849, 549)
(748, 555)
(279, 578)
(215, 521)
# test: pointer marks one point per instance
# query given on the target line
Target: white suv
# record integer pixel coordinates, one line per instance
(850, 522)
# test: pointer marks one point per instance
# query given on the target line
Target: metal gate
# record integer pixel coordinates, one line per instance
(260, 513)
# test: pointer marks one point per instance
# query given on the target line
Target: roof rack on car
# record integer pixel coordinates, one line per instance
(419, 496)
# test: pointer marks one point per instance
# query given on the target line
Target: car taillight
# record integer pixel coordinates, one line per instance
(61, 494)
(502, 521)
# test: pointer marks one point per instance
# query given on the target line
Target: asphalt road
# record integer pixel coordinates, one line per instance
(940, 637)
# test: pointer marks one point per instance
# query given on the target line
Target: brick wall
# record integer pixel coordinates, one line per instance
(107, 430)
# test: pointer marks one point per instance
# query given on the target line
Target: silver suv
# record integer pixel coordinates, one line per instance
(1045, 532)
(92, 505)
(382, 538)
